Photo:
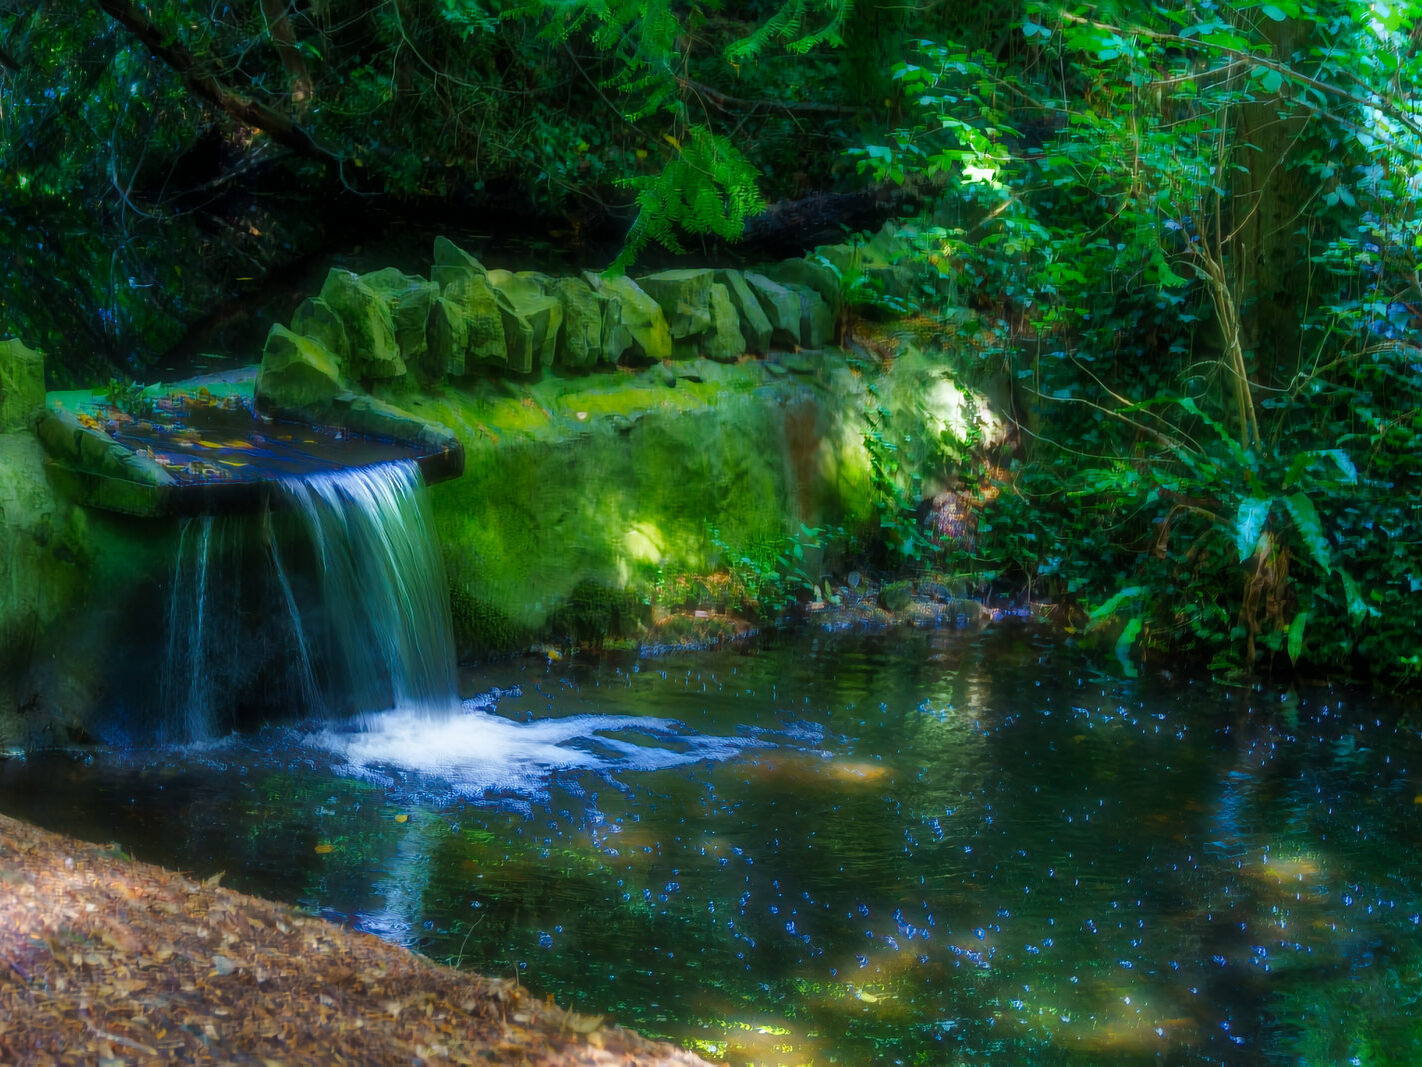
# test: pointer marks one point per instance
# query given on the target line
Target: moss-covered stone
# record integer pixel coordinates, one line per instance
(723, 342)
(781, 307)
(298, 373)
(531, 319)
(316, 319)
(810, 274)
(684, 297)
(754, 325)
(580, 340)
(409, 299)
(452, 262)
(816, 320)
(634, 329)
(895, 596)
(373, 352)
(485, 343)
(448, 334)
(21, 386)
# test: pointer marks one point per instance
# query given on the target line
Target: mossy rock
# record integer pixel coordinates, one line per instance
(409, 298)
(634, 329)
(817, 320)
(531, 319)
(754, 326)
(723, 342)
(370, 327)
(21, 386)
(480, 627)
(448, 334)
(684, 297)
(895, 596)
(810, 274)
(451, 263)
(316, 319)
(485, 343)
(593, 613)
(580, 340)
(298, 373)
(781, 306)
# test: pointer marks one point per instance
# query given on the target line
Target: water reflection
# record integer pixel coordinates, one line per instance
(929, 848)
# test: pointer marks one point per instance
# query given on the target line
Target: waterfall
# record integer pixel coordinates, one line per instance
(331, 604)
(383, 610)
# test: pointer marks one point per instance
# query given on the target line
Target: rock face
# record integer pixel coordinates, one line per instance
(620, 438)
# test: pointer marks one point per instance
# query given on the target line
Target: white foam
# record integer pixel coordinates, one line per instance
(478, 752)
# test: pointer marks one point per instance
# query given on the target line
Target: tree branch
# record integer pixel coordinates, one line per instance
(204, 83)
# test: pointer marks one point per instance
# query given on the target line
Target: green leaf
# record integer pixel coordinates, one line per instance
(1108, 608)
(1273, 12)
(1249, 524)
(1306, 521)
(1296, 636)
(1271, 80)
(1123, 646)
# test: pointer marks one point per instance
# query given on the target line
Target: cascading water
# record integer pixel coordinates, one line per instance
(332, 603)
(383, 611)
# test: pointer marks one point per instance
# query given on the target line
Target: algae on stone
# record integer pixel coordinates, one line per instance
(723, 342)
(21, 386)
(370, 328)
(781, 307)
(409, 299)
(580, 341)
(298, 373)
(684, 297)
(316, 319)
(634, 330)
(470, 296)
(755, 327)
(531, 319)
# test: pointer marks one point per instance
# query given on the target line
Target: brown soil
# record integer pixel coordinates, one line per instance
(107, 960)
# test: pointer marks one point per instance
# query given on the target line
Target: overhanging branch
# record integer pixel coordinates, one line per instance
(204, 83)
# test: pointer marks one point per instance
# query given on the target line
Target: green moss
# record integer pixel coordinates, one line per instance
(592, 613)
(480, 627)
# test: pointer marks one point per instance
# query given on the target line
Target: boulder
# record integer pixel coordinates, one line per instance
(21, 386)
(451, 262)
(298, 373)
(817, 322)
(684, 297)
(448, 342)
(370, 328)
(580, 340)
(781, 307)
(471, 297)
(531, 319)
(812, 274)
(409, 298)
(724, 342)
(633, 326)
(755, 327)
(315, 319)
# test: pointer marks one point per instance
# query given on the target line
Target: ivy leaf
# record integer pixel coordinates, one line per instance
(1296, 636)
(1108, 608)
(1249, 524)
(1124, 643)
(1306, 521)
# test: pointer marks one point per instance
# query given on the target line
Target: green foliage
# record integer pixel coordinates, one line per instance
(708, 188)
(1192, 235)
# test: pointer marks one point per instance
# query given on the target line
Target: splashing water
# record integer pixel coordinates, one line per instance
(332, 603)
(384, 605)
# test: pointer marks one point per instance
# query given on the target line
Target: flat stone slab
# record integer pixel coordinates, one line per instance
(201, 447)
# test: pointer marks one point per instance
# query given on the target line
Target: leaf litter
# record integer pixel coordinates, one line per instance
(104, 959)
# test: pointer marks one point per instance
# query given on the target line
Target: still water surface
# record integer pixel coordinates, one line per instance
(924, 848)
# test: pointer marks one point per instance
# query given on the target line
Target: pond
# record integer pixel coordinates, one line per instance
(925, 847)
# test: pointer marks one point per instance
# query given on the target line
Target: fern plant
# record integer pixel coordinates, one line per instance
(708, 188)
